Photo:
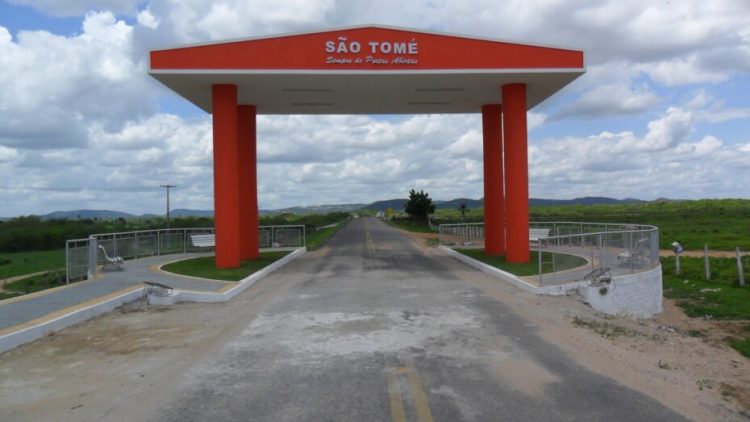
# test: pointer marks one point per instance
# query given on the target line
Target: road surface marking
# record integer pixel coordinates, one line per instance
(397, 404)
(368, 240)
(419, 398)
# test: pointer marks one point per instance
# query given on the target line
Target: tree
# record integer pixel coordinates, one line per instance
(462, 208)
(419, 204)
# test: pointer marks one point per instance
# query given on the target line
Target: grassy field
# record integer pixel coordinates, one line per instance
(19, 263)
(721, 223)
(33, 284)
(318, 238)
(205, 267)
(720, 298)
(562, 262)
(724, 224)
(411, 225)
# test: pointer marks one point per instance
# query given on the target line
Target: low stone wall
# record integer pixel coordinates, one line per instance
(637, 295)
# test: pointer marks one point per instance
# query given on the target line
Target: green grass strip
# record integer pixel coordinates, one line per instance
(33, 284)
(417, 226)
(318, 238)
(205, 267)
(20, 263)
(562, 262)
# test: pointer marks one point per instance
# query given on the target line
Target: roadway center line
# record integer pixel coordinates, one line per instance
(397, 404)
(368, 239)
(421, 407)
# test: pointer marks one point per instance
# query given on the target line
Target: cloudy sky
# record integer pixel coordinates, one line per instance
(663, 110)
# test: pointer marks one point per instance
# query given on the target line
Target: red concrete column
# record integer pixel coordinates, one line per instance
(226, 176)
(248, 181)
(494, 195)
(516, 172)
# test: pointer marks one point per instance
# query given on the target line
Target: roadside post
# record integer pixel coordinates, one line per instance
(706, 265)
(677, 248)
(740, 270)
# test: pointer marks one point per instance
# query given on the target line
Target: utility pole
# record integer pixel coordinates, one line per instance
(168, 187)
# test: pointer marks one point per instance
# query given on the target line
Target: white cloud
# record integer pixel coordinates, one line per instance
(685, 71)
(7, 154)
(79, 7)
(664, 162)
(54, 87)
(617, 99)
(86, 106)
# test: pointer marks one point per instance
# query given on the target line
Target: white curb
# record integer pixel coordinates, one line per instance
(510, 278)
(210, 297)
(26, 335)
(15, 339)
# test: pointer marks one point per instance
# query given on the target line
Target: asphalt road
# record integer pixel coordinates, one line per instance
(379, 331)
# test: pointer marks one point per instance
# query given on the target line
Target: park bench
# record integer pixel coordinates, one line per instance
(634, 257)
(158, 289)
(113, 263)
(536, 234)
(203, 240)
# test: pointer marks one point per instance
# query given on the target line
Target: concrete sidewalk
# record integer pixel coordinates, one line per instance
(21, 310)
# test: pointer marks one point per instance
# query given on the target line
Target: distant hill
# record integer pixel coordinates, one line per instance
(75, 214)
(181, 212)
(455, 203)
(315, 209)
(587, 200)
(397, 205)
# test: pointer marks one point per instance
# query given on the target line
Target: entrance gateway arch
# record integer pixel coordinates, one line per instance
(367, 70)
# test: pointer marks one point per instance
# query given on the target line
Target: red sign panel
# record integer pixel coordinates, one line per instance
(369, 48)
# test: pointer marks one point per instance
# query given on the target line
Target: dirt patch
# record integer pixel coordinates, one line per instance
(699, 253)
(525, 375)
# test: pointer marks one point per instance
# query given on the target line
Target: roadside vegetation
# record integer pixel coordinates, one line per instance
(318, 237)
(19, 263)
(417, 226)
(723, 224)
(30, 245)
(719, 298)
(562, 262)
(33, 284)
(205, 267)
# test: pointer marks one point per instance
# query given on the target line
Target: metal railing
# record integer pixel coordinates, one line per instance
(82, 256)
(77, 259)
(281, 236)
(461, 234)
(571, 250)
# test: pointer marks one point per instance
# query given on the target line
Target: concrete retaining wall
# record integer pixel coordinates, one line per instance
(26, 335)
(17, 338)
(638, 295)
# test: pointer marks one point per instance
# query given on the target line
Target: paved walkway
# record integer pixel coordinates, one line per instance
(52, 302)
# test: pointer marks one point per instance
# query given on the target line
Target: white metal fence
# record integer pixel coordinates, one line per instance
(83, 255)
(571, 250)
(465, 234)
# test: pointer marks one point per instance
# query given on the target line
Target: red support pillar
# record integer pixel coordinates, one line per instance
(248, 182)
(494, 195)
(516, 171)
(226, 176)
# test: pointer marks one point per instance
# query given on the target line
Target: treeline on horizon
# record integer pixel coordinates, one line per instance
(722, 223)
(32, 233)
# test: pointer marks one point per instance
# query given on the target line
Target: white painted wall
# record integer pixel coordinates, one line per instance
(637, 295)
